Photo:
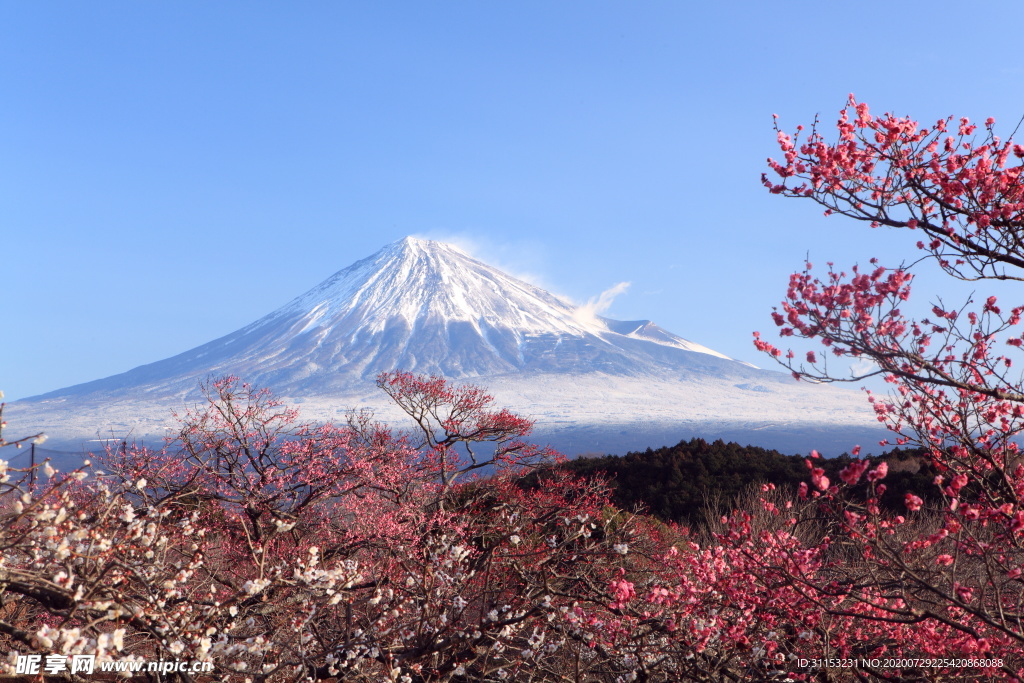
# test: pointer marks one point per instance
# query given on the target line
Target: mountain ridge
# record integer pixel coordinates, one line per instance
(417, 305)
(591, 383)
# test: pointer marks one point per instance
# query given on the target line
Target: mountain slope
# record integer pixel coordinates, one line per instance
(426, 307)
(590, 382)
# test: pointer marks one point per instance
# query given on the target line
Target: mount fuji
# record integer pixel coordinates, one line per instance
(591, 383)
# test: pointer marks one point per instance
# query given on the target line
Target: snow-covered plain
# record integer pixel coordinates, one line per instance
(591, 383)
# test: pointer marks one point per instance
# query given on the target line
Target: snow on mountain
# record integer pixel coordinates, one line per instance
(416, 305)
(428, 307)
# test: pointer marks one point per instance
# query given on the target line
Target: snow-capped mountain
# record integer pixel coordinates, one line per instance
(428, 307)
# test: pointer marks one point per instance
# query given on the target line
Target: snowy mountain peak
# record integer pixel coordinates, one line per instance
(593, 383)
(423, 306)
(424, 282)
(416, 248)
(409, 242)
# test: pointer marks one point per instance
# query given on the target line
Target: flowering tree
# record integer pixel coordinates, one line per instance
(953, 572)
(283, 551)
(279, 551)
(459, 430)
(385, 523)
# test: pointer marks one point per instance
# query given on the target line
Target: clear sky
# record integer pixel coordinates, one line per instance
(170, 172)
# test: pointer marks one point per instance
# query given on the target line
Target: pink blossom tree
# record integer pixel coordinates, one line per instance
(278, 550)
(943, 579)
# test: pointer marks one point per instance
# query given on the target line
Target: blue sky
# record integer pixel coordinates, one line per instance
(170, 172)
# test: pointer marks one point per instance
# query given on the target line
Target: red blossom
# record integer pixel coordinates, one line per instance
(952, 393)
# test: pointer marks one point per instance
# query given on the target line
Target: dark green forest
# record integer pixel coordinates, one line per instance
(683, 483)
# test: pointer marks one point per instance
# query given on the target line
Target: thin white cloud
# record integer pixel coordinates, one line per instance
(589, 311)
